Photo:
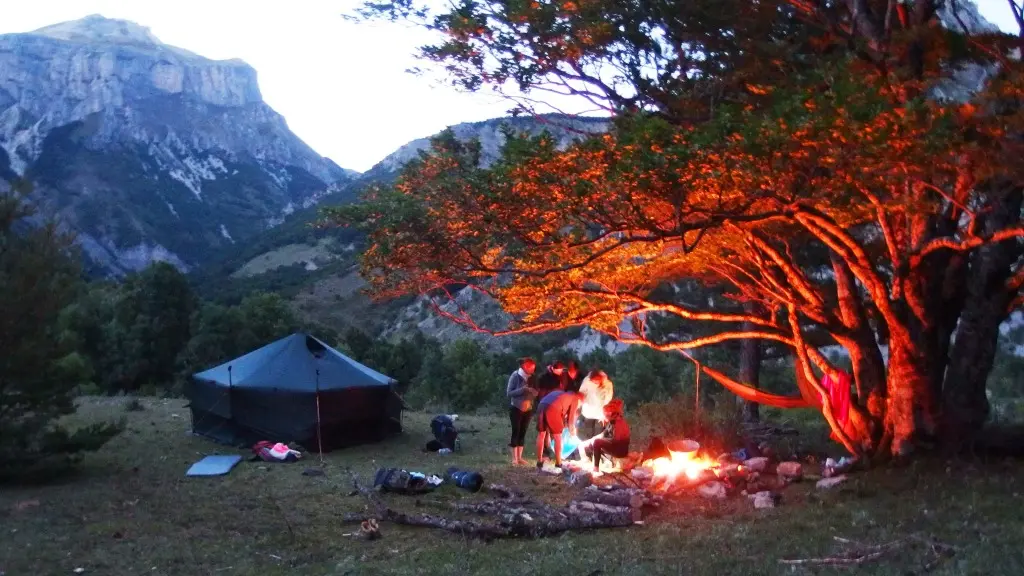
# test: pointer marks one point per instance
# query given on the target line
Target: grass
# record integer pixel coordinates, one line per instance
(131, 511)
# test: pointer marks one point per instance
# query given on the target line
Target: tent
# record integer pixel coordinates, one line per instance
(298, 390)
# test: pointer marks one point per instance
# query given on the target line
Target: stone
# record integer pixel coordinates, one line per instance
(826, 483)
(764, 499)
(756, 464)
(713, 490)
(790, 470)
(581, 479)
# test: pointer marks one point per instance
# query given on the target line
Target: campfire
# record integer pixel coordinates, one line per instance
(683, 460)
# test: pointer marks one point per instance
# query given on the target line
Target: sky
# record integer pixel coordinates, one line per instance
(342, 86)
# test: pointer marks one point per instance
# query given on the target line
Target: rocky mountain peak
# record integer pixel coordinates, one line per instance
(98, 28)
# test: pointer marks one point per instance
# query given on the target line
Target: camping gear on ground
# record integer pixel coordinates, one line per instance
(401, 481)
(296, 389)
(445, 433)
(275, 452)
(216, 465)
(466, 479)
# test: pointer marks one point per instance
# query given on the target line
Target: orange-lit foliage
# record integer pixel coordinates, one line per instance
(839, 199)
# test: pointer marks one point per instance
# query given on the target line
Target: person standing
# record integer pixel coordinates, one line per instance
(597, 392)
(557, 410)
(554, 378)
(575, 379)
(521, 395)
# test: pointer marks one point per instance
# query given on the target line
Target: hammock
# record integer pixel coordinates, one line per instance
(754, 395)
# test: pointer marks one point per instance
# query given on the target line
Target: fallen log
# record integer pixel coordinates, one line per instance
(619, 499)
(577, 506)
(504, 491)
(517, 517)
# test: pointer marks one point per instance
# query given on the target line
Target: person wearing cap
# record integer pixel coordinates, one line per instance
(553, 379)
(615, 441)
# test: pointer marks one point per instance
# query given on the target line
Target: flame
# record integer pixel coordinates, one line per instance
(680, 463)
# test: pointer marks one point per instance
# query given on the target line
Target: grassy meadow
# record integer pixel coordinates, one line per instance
(131, 511)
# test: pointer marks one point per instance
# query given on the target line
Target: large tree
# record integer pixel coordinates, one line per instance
(791, 152)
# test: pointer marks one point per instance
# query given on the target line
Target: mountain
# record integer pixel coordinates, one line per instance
(148, 151)
(316, 266)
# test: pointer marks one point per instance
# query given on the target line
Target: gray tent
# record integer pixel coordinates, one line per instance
(297, 389)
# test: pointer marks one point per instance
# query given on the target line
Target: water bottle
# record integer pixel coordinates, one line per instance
(466, 479)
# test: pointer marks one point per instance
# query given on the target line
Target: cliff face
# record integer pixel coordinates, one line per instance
(147, 150)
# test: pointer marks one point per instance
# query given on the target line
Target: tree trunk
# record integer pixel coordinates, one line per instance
(750, 374)
(964, 401)
(750, 368)
(910, 394)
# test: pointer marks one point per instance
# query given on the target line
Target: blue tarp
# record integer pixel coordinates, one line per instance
(216, 465)
(569, 444)
(291, 364)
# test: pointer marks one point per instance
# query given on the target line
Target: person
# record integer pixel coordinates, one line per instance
(553, 379)
(597, 392)
(558, 409)
(573, 371)
(615, 441)
(521, 394)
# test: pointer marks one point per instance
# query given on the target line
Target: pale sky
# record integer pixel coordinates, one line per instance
(342, 86)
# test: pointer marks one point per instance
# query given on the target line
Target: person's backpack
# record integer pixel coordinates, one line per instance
(445, 433)
(400, 481)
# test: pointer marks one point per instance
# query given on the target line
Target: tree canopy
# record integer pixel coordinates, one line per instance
(797, 154)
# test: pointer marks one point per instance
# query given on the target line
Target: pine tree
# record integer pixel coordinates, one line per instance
(37, 279)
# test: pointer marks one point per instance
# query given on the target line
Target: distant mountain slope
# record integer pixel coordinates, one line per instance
(148, 151)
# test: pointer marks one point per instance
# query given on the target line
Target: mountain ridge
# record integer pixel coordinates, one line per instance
(175, 156)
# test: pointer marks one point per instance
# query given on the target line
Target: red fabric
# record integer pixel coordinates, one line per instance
(839, 398)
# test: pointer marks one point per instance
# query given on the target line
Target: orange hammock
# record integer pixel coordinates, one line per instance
(754, 395)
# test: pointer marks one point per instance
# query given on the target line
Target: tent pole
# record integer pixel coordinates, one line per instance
(319, 434)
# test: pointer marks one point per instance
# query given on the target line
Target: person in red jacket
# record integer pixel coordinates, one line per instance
(615, 441)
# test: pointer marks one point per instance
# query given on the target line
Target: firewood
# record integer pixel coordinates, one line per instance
(592, 507)
(517, 517)
(622, 500)
(504, 491)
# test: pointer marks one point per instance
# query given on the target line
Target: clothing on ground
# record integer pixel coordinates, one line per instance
(520, 421)
(520, 394)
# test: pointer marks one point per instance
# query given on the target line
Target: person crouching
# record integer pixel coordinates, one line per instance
(557, 410)
(615, 441)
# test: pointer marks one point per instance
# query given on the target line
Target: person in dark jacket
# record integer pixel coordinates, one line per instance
(553, 379)
(615, 441)
(575, 377)
(521, 395)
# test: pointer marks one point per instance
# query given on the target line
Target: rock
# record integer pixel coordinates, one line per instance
(790, 470)
(826, 483)
(756, 464)
(581, 479)
(713, 490)
(641, 474)
(764, 499)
